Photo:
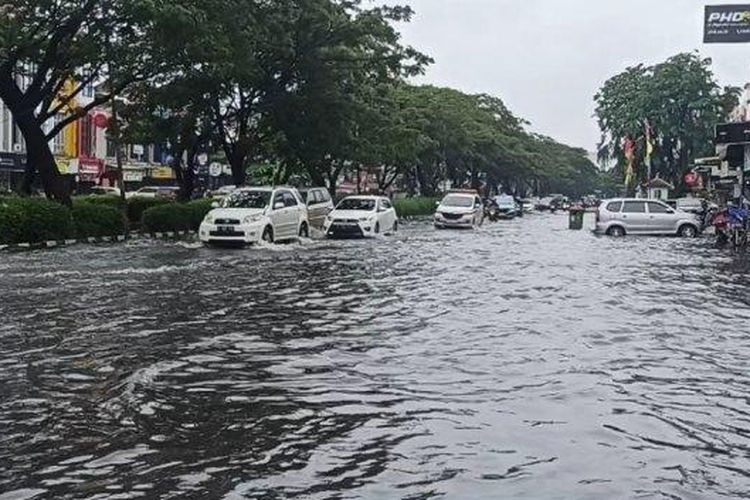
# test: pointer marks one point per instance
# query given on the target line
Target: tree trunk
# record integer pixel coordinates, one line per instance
(39, 158)
(239, 174)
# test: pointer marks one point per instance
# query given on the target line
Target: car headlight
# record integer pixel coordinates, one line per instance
(252, 218)
(209, 219)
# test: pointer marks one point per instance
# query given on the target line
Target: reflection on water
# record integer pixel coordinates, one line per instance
(518, 361)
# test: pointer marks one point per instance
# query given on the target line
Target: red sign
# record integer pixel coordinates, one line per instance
(691, 179)
(90, 166)
(101, 120)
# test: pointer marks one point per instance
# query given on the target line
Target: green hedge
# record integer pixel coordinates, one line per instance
(138, 206)
(34, 220)
(97, 220)
(415, 207)
(200, 209)
(175, 216)
(165, 218)
(110, 201)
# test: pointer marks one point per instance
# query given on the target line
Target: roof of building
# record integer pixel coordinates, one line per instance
(659, 183)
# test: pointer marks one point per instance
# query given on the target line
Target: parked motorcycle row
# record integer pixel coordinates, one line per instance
(731, 225)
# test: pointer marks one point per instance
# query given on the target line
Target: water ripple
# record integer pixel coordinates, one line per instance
(518, 361)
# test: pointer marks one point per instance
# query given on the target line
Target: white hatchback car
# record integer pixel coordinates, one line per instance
(252, 215)
(361, 217)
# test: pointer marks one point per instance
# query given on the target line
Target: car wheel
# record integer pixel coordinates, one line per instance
(688, 231)
(304, 231)
(616, 231)
(268, 235)
(395, 226)
(377, 228)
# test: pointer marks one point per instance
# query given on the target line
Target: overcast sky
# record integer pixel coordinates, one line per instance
(547, 58)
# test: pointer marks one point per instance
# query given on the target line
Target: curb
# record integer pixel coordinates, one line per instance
(105, 239)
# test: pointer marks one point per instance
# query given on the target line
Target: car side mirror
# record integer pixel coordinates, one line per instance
(278, 205)
(215, 204)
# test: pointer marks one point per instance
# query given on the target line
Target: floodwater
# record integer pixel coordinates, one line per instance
(519, 361)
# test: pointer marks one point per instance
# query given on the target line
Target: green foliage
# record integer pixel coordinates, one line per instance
(681, 101)
(33, 220)
(171, 217)
(109, 201)
(97, 220)
(200, 209)
(138, 205)
(415, 207)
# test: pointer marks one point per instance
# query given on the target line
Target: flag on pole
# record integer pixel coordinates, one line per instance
(649, 145)
(628, 149)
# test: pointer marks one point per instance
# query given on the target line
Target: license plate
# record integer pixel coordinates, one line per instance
(225, 229)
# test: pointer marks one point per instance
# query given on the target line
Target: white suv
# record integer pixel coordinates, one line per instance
(251, 215)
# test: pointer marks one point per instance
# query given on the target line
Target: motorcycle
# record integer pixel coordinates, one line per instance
(720, 221)
(491, 210)
(738, 227)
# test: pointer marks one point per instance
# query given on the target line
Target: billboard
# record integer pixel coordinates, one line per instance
(727, 24)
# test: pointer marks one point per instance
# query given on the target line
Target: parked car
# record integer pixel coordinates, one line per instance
(507, 207)
(252, 215)
(105, 191)
(154, 192)
(461, 209)
(622, 216)
(361, 216)
(698, 206)
(319, 205)
(222, 192)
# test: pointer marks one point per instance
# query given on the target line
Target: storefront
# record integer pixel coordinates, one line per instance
(90, 171)
(12, 166)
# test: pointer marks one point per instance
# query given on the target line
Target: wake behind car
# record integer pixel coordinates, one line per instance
(252, 215)
(623, 216)
(460, 209)
(361, 217)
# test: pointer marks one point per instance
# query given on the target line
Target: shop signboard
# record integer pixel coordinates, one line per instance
(727, 24)
(162, 173)
(132, 175)
(12, 162)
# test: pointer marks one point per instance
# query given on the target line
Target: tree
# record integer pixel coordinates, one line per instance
(337, 61)
(681, 102)
(54, 49)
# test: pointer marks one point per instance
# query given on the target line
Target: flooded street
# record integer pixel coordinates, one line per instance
(522, 360)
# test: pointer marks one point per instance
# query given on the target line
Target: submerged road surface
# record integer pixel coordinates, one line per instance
(522, 360)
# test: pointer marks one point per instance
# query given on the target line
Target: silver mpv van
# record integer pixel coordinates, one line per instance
(622, 216)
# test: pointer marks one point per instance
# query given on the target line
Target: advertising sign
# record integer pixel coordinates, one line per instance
(727, 24)
(162, 173)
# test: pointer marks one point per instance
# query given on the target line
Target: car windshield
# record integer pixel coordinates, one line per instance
(458, 201)
(504, 201)
(247, 199)
(360, 204)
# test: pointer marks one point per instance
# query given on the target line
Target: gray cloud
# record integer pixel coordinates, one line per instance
(547, 58)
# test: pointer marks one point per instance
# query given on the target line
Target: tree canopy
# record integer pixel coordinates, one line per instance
(680, 102)
(316, 88)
